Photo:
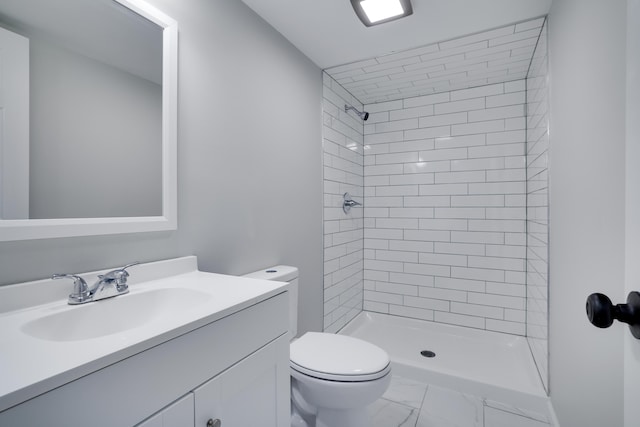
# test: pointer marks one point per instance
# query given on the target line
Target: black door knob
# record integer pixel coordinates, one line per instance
(601, 312)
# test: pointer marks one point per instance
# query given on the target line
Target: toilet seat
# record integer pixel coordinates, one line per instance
(338, 358)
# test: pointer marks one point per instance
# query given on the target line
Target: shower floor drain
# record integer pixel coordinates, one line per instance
(427, 353)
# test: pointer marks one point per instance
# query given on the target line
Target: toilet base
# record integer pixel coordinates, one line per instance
(334, 404)
(302, 413)
(345, 417)
(331, 418)
(298, 421)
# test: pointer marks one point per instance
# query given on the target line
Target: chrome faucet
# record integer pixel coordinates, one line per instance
(108, 285)
(80, 293)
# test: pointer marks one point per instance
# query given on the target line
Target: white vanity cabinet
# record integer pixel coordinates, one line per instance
(253, 392)
(234, 369)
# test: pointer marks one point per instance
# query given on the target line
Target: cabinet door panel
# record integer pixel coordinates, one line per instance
(178, 414)
(253, 392)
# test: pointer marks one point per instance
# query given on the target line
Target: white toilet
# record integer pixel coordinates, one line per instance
(333, 377)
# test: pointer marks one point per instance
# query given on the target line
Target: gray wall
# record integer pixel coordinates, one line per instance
(249, 166)
(586, 184)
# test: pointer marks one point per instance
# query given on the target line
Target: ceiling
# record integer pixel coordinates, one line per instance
(330, 34)
(495, 56)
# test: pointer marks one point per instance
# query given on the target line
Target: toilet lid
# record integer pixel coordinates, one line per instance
(338, 357)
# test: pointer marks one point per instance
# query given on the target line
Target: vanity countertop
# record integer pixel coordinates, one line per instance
(32, 363)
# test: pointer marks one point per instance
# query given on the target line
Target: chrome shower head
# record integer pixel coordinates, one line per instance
(362, 114)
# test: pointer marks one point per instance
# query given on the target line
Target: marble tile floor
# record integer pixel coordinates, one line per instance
(408, 403)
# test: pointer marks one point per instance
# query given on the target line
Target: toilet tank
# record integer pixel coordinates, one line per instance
(283, 273)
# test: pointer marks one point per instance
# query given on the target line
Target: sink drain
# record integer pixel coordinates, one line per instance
(427, 353)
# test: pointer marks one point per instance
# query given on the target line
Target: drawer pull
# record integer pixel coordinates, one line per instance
(214, 423)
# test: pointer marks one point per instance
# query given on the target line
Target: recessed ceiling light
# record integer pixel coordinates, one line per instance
(378, 10)
(374, 12)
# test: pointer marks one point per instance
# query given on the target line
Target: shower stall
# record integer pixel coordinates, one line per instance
(451, 169)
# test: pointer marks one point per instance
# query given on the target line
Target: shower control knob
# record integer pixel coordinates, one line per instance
(601, 312)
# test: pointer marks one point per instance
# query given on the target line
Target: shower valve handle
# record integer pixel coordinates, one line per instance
(348, 203)
(601, 312)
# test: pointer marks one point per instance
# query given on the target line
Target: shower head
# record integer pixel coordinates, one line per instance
(362, 114)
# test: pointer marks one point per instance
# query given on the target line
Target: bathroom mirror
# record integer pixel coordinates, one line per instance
(88, 130)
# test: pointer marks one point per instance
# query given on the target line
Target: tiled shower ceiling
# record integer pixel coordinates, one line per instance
(494, 56)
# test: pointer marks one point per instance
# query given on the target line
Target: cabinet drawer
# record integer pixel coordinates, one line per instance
(129, 391)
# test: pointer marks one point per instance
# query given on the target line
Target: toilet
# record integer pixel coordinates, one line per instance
(333, 377)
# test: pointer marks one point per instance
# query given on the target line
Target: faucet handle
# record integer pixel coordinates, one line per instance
(118, 275)
(80, 288)
(129, 265)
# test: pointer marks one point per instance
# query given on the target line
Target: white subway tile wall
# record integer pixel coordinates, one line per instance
(343, 233)
(538, 207)
(493, 56)
(445, 198)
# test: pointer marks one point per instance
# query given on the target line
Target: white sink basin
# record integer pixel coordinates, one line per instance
(114, 315)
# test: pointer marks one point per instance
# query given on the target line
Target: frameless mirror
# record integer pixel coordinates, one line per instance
(88, 93)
